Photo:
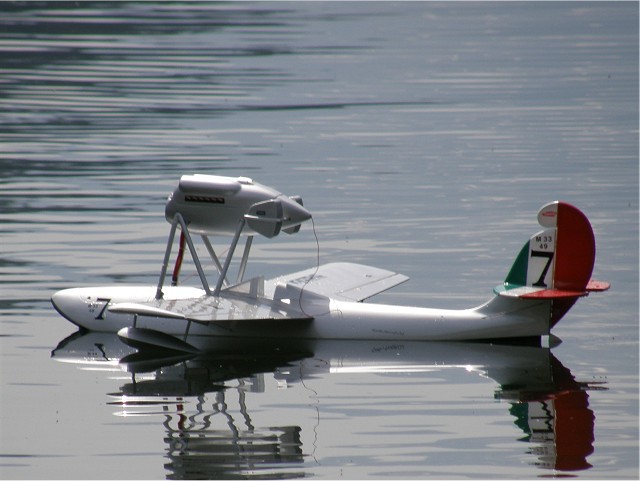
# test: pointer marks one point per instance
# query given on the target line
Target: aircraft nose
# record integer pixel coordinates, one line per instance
(66, 302)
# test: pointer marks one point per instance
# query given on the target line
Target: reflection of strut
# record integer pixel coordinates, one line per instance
(243, 406)
(220, 401)
(100, 347)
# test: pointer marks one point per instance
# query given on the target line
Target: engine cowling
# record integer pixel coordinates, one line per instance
(212, 204)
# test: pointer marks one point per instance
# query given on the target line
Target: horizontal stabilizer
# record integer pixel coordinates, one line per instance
(553, 294)
(529, 292)
(598, 286)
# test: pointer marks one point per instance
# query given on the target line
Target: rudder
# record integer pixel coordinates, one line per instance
(557, 262)
(559, 257)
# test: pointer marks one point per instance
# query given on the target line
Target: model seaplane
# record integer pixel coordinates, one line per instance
(550, 273)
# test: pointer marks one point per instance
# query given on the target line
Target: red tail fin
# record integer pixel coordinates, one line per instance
(556, 263)
(575, 249)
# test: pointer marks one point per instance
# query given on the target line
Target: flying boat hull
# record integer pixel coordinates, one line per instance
(550, 273)
(201, 316)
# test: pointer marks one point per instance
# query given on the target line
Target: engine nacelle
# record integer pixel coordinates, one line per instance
(213, 204)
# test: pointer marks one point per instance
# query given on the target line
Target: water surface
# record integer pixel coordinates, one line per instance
(423, 137)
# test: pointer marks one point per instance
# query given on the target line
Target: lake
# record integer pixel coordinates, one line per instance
(422, 136)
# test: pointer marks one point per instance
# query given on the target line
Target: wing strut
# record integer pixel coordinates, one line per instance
(222, 270)
(178, 264)
(165, 264)
(216, 261)
(212, 253)
(266, 218)
(245, 258)
(227, 261)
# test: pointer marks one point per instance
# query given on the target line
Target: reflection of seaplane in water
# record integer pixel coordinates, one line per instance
(551, 272)
(207, 434)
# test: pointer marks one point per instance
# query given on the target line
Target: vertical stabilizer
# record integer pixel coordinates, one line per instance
(558, 258)
(556, 263)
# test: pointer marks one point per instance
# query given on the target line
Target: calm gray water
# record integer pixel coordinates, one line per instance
(422, 136)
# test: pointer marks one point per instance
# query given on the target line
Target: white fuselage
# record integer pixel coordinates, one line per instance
(325, 302)
(320, 318)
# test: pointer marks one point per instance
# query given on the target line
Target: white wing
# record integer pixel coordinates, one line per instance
(246, 302)
(343, 281)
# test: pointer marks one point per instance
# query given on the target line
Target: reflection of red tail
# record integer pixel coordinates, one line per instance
(557, 417)
(574, 423)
